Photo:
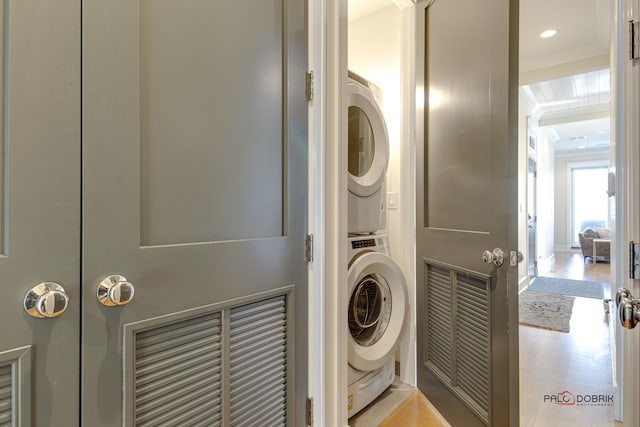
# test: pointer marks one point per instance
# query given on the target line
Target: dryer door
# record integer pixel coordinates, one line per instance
(368, 142)
(376, 312)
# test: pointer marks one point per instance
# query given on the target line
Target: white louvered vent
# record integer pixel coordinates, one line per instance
(472, 343)
(257, 354)
(439, 321)
(6, 405)
(178, 374)
(458, 335)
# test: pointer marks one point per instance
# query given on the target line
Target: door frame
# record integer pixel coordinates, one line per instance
(329, 50)
(626, 83)
(328, 47)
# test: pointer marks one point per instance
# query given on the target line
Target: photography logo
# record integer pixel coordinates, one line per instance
(567, 398)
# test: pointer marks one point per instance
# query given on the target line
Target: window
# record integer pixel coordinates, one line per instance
(589, 201)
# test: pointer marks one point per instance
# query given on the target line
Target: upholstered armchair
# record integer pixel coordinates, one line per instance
(602, 246)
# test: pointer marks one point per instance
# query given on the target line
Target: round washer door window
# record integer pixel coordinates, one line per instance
(377, 310)
(369, 310)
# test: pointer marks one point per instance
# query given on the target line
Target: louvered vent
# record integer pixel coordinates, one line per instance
(458, 335)
(258, 349)
(472, 343)
(5, 396)
(439, 321)
(178, 374)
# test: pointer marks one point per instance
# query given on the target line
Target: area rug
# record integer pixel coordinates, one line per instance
(546, 310)
(575, 288)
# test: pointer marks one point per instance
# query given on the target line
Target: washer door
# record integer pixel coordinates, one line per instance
(376, 311)
(368, 142)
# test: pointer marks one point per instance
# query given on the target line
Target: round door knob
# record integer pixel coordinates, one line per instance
(46, 299)
(496, 257)
(115, 290)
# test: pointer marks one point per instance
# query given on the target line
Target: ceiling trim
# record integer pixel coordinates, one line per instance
(577, 115)
(565, 69)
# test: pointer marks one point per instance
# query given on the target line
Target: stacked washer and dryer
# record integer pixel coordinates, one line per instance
(377, 288)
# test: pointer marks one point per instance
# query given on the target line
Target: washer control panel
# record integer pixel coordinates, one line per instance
(376, 243)
(365, 243)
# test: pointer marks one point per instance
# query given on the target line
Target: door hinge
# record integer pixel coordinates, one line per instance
(309, 86)
(310, 411)
(634, 41)
(309, 248)
(634, 260)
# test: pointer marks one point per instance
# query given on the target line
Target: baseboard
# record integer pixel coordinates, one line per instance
(545, 264)
(523, 284)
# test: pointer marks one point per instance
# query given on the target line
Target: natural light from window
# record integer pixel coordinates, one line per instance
(589, 200)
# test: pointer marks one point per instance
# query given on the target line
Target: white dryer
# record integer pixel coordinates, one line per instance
(368, 148)
(377, 309)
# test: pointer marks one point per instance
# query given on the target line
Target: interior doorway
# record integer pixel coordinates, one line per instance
(565, 82)
(532, 177)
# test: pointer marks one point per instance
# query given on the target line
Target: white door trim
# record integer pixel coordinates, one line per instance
(628, 179)
(408, 372)
(335, 212)
(317, 164)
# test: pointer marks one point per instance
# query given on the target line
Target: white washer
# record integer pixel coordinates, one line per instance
(376, 318)
(368, 148)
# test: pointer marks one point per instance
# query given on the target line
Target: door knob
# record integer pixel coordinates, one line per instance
(115, 290)
(496, 257)
(46, 299)
(628, 308)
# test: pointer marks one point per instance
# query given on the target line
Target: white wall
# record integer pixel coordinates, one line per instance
(544, 158)
(524, 111)
(562, 194)
(545, 237)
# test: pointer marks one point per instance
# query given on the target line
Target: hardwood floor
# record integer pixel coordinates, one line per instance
(415, 411)
(578, 362)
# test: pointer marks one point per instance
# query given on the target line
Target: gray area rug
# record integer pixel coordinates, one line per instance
(545, 310)
(576, 288)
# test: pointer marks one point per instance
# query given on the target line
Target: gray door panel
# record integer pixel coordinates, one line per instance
(467, 203)
(39, 208)
(194, 188)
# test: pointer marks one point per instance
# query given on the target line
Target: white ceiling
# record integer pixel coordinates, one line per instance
(582, 25)
(571, 106)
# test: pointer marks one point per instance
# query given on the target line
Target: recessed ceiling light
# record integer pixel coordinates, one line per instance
(582, 147)
(578, 138)
(547, 33)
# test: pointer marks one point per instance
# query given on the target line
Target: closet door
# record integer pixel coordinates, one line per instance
(39, 212)
(194, 212)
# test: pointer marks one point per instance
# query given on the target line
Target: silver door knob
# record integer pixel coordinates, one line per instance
(628, 308)
(45, 300)
(496, 257)
(115, 290)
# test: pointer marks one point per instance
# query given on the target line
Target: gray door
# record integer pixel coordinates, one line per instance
(195, 191)
(467, 204)
(39, 210)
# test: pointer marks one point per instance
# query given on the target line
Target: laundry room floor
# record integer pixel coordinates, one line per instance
(399, 405)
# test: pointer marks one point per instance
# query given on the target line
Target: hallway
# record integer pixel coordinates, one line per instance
(578, 361)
